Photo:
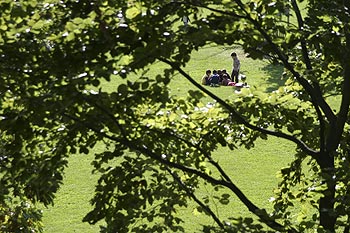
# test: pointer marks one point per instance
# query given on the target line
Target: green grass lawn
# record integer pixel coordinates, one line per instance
(254, 171)
(72, 200)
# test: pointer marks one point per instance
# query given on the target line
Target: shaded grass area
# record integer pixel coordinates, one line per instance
(252, 170)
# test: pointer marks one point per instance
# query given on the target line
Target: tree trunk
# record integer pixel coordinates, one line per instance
(326, 204)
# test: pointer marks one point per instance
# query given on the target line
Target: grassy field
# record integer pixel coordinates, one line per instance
(254, 171)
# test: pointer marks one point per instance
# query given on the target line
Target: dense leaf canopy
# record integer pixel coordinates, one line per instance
(56, 57)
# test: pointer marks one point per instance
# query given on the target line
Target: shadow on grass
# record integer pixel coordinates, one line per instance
(275, 78)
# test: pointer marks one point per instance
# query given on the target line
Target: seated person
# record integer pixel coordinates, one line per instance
(220, 76)
(206, 78)
(225, 72)
(225, 80)
(214, 79)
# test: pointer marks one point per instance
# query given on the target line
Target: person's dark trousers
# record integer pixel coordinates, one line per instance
(234, 76)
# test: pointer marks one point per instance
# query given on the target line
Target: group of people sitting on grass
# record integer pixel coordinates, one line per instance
(218, 78)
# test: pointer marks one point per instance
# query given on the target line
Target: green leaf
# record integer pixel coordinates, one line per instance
(123, 90)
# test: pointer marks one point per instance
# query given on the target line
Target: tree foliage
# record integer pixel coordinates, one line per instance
(55, 57)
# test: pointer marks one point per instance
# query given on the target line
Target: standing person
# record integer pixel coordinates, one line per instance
(236, 67)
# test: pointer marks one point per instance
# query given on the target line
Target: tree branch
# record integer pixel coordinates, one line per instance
(319, 99)
(135, 145)
(315, 94)
(198, 147)
(302, 41)
(263, 216)
(334, 138)
(237, 116)
(231, 13)
(194, 197)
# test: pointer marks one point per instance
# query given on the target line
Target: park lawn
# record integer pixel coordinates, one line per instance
(72, 200)
(254, 171)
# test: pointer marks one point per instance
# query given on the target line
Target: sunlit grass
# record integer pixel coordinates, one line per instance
(72, 200)
(252, 170)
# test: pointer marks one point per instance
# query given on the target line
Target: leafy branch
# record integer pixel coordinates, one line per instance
(142, 148)
(239, 118)
(191, 194)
